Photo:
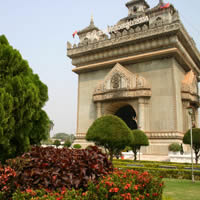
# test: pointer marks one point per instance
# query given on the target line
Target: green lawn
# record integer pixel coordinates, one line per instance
(181, 189)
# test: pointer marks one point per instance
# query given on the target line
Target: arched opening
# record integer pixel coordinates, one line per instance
(128, 115)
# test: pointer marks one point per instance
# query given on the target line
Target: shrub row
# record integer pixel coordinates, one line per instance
(155, 164)
(165, 173)
(119, 185)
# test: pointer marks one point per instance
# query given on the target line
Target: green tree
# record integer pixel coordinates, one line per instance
(22, 96)
(67, 143)
(110, 132)
(64, 136)
(195, 142)
(57, 143)
(140, 140)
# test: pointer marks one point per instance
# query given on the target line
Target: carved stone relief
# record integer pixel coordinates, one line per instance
(116, 81)
(121, 83)
(189, 89)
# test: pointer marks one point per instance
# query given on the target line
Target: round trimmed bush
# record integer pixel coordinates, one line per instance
(77, 146)
(57, 143)
(67, 143)
(174, 147)
(110, 132)
(196, 141)
(140, 140)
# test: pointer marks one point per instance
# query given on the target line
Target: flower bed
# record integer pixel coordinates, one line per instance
(7, 184)
(119, 185)
(56, 174)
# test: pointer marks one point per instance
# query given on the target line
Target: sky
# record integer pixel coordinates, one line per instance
(40, 29)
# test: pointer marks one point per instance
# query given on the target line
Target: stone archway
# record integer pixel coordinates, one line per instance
(119, 88)
(128, 115)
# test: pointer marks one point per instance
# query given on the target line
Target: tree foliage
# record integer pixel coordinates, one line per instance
(64, 136)
(67, 143)
(174, 147)
(140, 140)
(22, 96)
(110, 132)
(57, 143)
(195, 142)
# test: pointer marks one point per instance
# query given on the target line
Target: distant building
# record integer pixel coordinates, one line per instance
(144, 70)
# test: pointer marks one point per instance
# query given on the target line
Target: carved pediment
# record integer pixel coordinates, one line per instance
(121, 83)
(189, 89)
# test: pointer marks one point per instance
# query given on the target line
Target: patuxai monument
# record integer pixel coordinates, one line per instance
(144, 69)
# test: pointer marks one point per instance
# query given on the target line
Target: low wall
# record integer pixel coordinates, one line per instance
(185, 158)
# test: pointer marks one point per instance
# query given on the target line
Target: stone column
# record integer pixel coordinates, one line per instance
(186, 118)
(141, 113)
(98, 105)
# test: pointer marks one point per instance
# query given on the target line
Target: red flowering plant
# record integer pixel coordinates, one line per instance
(7, 185)
(118, 185)
(130, 185)
(46, 194)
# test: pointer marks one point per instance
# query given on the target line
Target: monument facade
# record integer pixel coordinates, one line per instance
(145, 67)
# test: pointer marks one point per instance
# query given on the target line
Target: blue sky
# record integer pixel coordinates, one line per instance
(40, 29)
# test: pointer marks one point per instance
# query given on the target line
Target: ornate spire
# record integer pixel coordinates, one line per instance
(89, 28)
(92, 21)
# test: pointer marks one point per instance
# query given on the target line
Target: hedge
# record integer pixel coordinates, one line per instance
(154, 164)
(165, 173)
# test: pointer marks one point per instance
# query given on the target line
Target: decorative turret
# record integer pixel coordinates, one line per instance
(160, 6)
(162, 13)
(136, 7)
(83, 33)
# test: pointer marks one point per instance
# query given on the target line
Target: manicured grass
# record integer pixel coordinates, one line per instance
(177, 189)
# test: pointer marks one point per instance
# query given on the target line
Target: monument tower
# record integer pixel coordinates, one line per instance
(145, 69)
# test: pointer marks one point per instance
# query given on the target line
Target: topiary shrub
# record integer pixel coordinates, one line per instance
(196, 141)
(174, 147)
(110, 132)
(140, 140)
(57, 143)
(53, 168)
(67, 143)
(77, 146)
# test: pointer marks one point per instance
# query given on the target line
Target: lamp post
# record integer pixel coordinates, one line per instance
(190, 112)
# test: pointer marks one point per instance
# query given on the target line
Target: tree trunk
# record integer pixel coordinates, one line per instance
(135, 153)
(196, 155)
(111, 155)
(107, 152)
(196, 158)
